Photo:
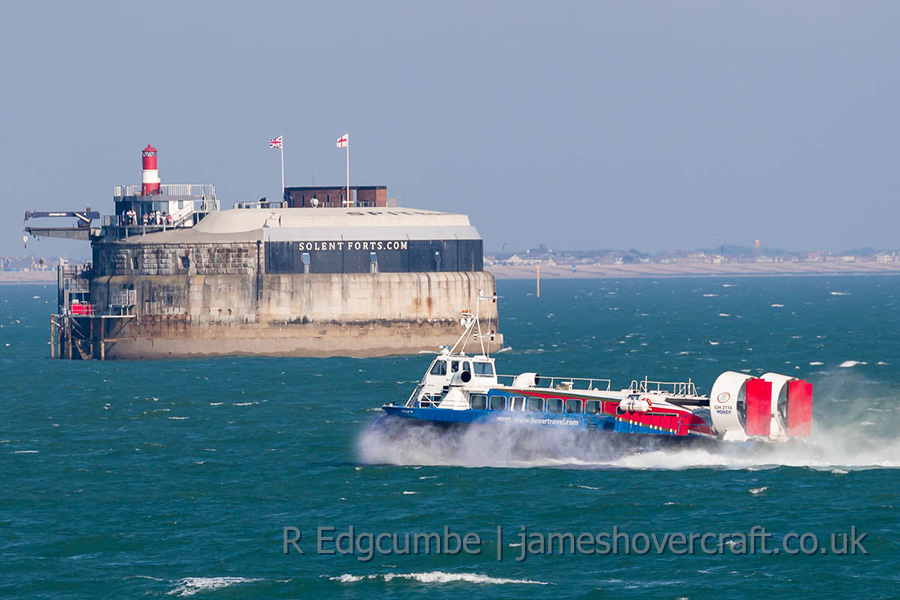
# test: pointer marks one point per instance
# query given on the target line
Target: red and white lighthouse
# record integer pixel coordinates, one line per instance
(150, 177)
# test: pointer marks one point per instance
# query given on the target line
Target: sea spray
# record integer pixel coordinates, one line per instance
(392, 441)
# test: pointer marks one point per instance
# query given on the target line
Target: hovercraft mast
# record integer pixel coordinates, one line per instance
(473, 330)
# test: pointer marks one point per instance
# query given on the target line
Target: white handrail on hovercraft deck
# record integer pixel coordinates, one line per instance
(592, 384)
(672, 388)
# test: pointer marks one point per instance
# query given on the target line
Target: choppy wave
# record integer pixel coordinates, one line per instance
(194, 585)
(437, 577)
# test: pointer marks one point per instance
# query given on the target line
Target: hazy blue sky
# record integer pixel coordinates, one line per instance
(575, 124)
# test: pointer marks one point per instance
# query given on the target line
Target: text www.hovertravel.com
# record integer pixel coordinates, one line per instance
(365, 545)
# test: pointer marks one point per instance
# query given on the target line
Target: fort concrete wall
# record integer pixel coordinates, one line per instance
(207, 292)
(361, 314)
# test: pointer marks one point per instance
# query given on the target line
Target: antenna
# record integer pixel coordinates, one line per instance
(472, 325)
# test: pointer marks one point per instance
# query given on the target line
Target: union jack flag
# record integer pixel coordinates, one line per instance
(276, 143)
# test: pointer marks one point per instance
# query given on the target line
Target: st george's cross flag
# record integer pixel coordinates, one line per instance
(343, 141)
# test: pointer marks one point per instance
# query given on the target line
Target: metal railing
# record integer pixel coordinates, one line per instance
(122, 297)
(76, 277)
(182, 217)
(674, 388)
(130, 230)
(197, 190)
(564, 383)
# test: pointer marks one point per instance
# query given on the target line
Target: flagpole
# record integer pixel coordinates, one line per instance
(349, 203)
(282, 167)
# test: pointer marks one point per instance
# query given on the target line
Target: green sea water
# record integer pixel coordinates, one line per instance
(176, 478)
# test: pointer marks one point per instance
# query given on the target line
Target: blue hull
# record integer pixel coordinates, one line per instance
(541, 420)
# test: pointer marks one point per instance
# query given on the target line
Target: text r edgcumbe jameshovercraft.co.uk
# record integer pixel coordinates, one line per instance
(366, 545)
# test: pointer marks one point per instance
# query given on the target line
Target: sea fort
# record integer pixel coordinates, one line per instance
(174, 275)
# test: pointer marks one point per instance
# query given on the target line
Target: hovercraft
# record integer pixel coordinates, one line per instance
(460, 389)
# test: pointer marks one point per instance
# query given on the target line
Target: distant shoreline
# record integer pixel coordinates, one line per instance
(652, 270)
(604, 271)
(27, 277)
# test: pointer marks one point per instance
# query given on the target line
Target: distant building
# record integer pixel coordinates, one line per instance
(335, 196)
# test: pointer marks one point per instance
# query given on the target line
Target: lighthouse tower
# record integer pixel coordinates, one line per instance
(150, 177)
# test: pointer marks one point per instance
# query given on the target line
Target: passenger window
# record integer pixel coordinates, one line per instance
(536, 404)
(478, 401)
(439, 368)
(554, 405)
(573, 406)
(498, 402)
(517, 403)
(484, 369)
(593, 407)
(454, 366)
